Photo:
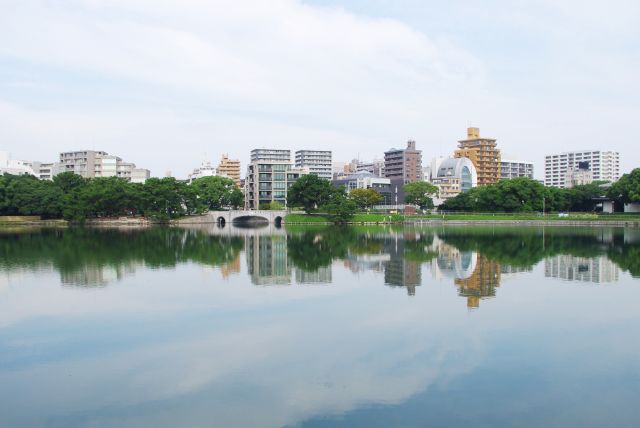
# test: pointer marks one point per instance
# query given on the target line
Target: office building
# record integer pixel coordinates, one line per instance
(318, 162)
(510, 168)
(484, 154)
(453, 176)
(403, 165)
(269, 178)
(229, 168)
(604, 165)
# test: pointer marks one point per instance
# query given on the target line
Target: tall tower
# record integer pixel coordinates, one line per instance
(484, 154)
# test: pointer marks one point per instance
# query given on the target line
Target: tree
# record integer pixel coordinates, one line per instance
(339, 207)
(420, 193)
(309, 192)
(215, 193)
(627, 189)
(366, 198)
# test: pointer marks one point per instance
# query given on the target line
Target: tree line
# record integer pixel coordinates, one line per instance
(526, 195)
(75, 198)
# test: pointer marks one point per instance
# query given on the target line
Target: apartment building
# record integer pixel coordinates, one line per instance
(604, 165)
(271, 155)
(375, 167)
(510, 168)
(318, 162)
(403, 165)
(94, 164)
(229, 168)
(484, 154)
(366, 180)
(269, 178)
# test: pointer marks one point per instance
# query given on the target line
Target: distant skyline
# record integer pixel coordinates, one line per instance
(161, 84)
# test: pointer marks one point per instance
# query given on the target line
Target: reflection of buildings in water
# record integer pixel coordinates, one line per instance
(451, 262)
(482, 283)
(475, 275)
(587, 269)
(230, 268)
(399, 271)
(96, 276)
(267, 260)
(364, 262)
(321, 276)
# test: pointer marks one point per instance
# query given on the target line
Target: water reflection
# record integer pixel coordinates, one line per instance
(473, 259)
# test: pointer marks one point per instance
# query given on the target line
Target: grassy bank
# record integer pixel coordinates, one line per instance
(489, 217)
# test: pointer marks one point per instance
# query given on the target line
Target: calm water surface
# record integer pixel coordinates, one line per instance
(315, 327)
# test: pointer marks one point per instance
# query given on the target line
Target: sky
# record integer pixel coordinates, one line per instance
(168, 84)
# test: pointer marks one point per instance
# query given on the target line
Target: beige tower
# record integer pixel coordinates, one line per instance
(230, 168)
(484, 154)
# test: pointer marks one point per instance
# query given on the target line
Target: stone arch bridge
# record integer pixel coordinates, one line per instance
(236, 217)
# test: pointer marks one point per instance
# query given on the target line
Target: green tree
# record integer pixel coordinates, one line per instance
(366, 198)
(339, 207)
(420, 193)
(309, 192)
(215, 193)
(627, 189)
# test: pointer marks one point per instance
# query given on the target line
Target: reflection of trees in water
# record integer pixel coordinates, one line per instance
(88, 256)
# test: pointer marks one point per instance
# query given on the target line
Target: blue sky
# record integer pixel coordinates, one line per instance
(168, 84)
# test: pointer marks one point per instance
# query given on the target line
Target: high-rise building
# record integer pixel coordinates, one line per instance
(318, 162)
(510, 168)
(93, 164)
(484, 154)
(403, 165)
(604, 165)
(230, 168)
(269, 178)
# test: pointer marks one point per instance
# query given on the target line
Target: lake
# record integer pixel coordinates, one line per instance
(320, 326)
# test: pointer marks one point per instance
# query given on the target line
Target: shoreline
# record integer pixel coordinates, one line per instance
(141, 222)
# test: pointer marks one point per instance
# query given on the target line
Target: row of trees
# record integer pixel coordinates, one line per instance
(75, 198)
(526, 195)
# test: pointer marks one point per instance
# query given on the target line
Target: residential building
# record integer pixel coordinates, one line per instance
(45, 170)
(275, 155)
(403, 165)
(453, 176)
(229, 168)
(375, 167)
(318, 162)
(484, 154)
(366, 180)
(93, 164)
(510, 168)
(204, 170)
(268, 179)
(140, 175)
(604, 165)
(14, 166)
(586, 269)
(578, 176)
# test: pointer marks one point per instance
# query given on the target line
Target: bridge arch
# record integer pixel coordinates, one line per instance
(277, 221)
(221, 221)
(250, 220)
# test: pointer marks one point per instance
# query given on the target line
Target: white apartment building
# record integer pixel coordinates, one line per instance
(271, 155)
(586, 269)
(318, 162)
(14, 166)
(510, 168)
(604, 165)
(204, 170)
(93, 164)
